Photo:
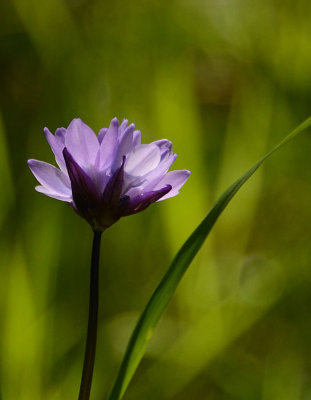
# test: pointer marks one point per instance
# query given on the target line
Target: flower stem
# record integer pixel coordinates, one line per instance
(90, 349)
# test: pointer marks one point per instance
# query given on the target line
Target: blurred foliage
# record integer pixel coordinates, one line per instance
(224, 80)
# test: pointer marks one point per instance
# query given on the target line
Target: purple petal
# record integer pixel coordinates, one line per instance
(60, 134)
(101, 134)
(82, 143)
(54, 195)
(136, 138)
(143, 159)
(133, 191)
(155, 176)
(84, 192)
(124, 147)
(142, 201)
(113, 188)
(174, 178)
(57, 144)
(165, 147)
(123, 125)
(109, 145)
(131, 182)
(50, 177)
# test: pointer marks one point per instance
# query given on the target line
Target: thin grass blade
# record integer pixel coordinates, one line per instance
(165, 290)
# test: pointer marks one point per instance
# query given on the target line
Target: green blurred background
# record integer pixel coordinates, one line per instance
(225, 80)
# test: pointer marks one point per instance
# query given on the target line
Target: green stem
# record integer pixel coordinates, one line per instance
(90, 349)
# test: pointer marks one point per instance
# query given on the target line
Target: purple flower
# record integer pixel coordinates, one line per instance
(108, 176)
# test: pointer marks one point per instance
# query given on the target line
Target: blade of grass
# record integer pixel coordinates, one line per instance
(165, 290)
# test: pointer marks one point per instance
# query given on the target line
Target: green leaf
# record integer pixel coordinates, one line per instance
(165, 290)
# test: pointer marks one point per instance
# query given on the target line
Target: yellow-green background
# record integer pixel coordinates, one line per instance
(225, 80)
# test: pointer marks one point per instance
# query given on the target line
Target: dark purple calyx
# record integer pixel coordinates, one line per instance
(104, 209)
(139, 203)
(84, 193)
(99, 209)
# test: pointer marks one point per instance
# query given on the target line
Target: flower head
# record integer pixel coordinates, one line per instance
(109, 175)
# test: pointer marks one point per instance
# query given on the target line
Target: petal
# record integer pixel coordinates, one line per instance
(165, 147)
(82, 143)
(60, 134)
(109, 145)
(136, 138)
(149, 180)
(125, 146)
(142, 201)
(123, 125)
(131, 182)
(101, 134)
(134, 191)
(50, 177)
(84, 191)
(143, 159)
(155, 176)
(174, 178)
(57, 144)
(113, 188)
(98, 177)
(50, 193)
